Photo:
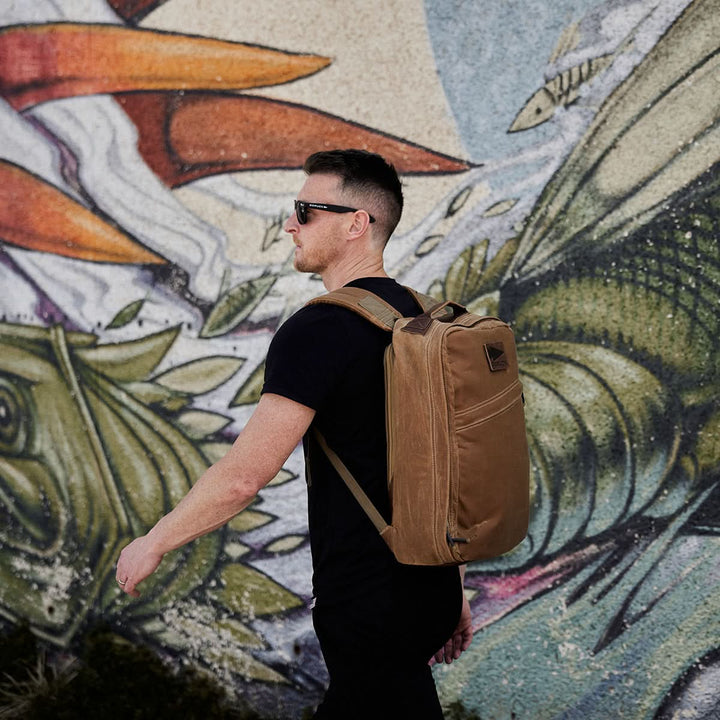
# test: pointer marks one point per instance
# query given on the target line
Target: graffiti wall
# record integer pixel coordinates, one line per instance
(561, 164)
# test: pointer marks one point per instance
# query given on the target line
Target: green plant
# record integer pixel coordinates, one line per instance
(109, 677)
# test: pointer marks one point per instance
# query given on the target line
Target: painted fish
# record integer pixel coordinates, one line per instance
(561, 90)
(618, 342)
(93, 450)
(613, 289)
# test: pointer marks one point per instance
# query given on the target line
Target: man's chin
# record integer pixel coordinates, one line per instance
(302, 266)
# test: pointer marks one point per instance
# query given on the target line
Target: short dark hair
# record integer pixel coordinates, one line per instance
(366, 173)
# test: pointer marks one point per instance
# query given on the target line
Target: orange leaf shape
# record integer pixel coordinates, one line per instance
(187, 136)
(37, 216)
(46, 62)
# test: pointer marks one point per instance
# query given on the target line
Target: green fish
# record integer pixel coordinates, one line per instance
(93, 451)
(613, 291)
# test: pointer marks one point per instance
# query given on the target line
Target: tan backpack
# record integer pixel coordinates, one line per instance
(458, 470)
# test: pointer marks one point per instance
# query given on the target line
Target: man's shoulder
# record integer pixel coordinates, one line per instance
(314, 314)
(328, 320)
(311, 324)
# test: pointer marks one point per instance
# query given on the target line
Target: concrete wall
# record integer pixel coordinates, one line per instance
(560, 162)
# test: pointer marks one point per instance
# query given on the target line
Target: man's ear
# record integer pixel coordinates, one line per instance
(360, 224)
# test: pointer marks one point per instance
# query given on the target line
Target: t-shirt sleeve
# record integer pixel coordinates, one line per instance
(306, 357)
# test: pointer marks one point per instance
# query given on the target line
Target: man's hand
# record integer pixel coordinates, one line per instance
(460, 639)
(137, 561)
(226, 488)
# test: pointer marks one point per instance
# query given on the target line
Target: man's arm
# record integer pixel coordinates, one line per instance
(224, 489)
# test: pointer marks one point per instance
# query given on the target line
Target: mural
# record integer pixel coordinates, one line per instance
(146, 173)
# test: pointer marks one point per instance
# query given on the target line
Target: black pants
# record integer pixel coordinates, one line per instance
(377, 652)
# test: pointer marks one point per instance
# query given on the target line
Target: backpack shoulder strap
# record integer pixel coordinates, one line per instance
(370, 510)
(426, 302)
(363, 302)
(371, 306)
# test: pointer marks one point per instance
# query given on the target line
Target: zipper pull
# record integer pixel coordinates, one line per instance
(453, 540)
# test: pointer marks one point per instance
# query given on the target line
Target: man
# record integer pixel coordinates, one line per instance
(378, 622)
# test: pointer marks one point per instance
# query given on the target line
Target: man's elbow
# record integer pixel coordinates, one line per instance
(243, 484)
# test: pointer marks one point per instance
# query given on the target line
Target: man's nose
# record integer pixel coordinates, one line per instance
(291, 224)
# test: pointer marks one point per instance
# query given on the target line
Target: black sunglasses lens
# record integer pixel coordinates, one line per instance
(301, 212)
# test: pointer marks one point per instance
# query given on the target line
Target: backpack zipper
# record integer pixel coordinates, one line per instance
(454, 490)
(389, 432)
(453, 540)
(451, 514)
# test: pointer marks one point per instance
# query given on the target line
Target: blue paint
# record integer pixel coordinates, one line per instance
(490, 57)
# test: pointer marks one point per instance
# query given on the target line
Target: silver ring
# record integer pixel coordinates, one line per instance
(122, 582)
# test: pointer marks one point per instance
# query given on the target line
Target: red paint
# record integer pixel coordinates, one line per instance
(187, 136)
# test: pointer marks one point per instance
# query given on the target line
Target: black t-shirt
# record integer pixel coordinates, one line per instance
(331, 360)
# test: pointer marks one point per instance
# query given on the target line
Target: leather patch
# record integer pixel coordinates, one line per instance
(420, 324)
(496, 357)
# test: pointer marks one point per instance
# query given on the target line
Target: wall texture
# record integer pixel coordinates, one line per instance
(561, 169)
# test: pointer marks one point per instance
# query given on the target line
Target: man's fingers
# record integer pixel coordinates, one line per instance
(458, 645)
(441, 655)
(121, 579)
(131, 591)
(130, 588)
(454, 647)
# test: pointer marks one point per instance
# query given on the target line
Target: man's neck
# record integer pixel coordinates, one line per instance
(341, 276)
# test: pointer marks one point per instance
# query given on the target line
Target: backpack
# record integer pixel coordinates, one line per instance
(458, 468)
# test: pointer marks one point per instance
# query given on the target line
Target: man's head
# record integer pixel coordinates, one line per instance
(367, 181)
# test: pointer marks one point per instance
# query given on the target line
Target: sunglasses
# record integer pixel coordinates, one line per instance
(301, 208)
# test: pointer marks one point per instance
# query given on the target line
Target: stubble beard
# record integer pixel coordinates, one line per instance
(315, 263)
(302, 265)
